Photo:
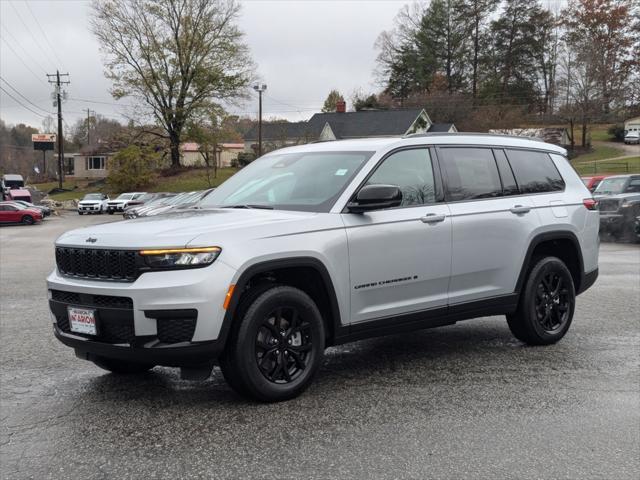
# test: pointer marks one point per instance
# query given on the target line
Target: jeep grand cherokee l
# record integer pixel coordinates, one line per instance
(327, 243)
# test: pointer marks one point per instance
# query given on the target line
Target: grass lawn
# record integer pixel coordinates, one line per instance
(600, 152)
(192, 179)
(627, 165)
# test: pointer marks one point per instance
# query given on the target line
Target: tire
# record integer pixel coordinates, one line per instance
(121, 367)
(277, 345)
(547, 303)
(28, 220)
(80, 213)
(110, 212)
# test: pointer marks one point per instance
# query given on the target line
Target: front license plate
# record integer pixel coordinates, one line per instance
(82, 320)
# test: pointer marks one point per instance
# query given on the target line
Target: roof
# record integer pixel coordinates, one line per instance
(12, 177)
(361, 124)
(282, 131)
(384, 143)
(366, 123)
(232, 145)
(440, 127)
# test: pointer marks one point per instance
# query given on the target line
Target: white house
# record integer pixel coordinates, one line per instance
(632, 125)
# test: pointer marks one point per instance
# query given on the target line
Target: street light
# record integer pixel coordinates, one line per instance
(260, 87)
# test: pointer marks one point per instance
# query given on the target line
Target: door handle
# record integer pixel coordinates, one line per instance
(432, 218)
(520, 209)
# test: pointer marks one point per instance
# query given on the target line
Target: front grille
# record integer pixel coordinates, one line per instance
(89, 300)
(608, 205)
(114, 315)
(120, 265)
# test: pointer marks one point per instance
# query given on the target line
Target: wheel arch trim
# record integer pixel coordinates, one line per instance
(274, 264)
(548, 237)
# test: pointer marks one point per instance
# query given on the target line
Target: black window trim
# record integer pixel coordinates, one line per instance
(446, 180)
(564, 182)
(435, 167)
(437, 147)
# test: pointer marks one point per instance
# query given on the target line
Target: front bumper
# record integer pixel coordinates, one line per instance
(154, 298)
(611, 222)
(119, 207)
(89, 208)
(187, 354)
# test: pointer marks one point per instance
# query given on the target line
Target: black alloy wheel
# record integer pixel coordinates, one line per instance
(277, 344)
(28, 220)
(283, 345)
(546, 305)
(552, 302)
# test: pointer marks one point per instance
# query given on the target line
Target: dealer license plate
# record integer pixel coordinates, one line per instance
(82, 320)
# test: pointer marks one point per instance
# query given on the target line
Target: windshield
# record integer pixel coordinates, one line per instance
(93, 196)
(612, 185)
(309, 181)
(125, 196)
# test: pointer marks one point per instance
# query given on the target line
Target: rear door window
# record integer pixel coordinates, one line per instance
(535, 172)
(471, 173)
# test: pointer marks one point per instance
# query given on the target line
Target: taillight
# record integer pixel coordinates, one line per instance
(590, 203)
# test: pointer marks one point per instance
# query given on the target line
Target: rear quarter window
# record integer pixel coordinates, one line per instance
(535, 172)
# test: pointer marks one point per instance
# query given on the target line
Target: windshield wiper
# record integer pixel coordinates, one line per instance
(247, 205)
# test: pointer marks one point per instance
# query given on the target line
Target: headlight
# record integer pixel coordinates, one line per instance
(180, 257)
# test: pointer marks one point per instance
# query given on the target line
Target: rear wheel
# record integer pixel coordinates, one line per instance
(120, 366)
(28, 220)
(277, 347)
(547, 303)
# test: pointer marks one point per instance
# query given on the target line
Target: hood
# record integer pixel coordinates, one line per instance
(176, 229)
(619, 196)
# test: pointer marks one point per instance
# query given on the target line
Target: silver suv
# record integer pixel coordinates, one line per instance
(327, 243)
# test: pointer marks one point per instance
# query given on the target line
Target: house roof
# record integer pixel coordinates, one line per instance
(440, 127)
(366, 123)
(282, 131)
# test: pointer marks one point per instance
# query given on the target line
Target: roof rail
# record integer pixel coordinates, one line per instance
(470, 134)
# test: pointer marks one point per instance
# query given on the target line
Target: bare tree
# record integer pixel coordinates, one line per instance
(177, 57)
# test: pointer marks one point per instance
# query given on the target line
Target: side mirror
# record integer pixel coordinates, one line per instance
(375, 197)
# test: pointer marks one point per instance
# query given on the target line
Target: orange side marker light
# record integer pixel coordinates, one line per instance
(227, 298)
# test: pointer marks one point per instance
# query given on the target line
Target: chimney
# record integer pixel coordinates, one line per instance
(341, 106)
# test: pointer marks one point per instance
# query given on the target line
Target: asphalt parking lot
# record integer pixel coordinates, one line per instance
(465, 401)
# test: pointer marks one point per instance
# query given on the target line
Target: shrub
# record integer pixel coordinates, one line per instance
(132, 169)
(245, 159)
(617, 131)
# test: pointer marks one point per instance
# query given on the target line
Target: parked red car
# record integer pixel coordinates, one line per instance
(592, 182)
(11, 212)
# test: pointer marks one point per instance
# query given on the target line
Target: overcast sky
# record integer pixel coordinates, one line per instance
(302, 48)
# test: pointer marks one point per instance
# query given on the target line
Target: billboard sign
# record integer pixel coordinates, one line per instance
(43, 141)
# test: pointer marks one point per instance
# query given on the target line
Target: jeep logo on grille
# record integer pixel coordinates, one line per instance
(91, 240)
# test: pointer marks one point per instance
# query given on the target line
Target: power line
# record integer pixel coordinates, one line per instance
(33, 37)
(21, 60)
(20, 103)
(44, 34)
(21, 95)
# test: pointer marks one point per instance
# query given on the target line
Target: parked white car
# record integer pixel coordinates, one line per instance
(93, 203)
(632, 137)
(327, 243)
(120, 203)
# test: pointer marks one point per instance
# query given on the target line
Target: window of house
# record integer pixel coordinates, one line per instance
(471, 173)
(95, 163)
(411, 171)
(535, 172)
(69, 166)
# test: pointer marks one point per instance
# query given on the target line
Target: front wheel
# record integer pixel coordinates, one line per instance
(120, 366)
(277, 347)
(28, 220)
(547, 303)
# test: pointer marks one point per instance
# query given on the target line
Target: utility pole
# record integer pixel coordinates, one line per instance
(58, 101)
(260, 87)
(88, 127)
